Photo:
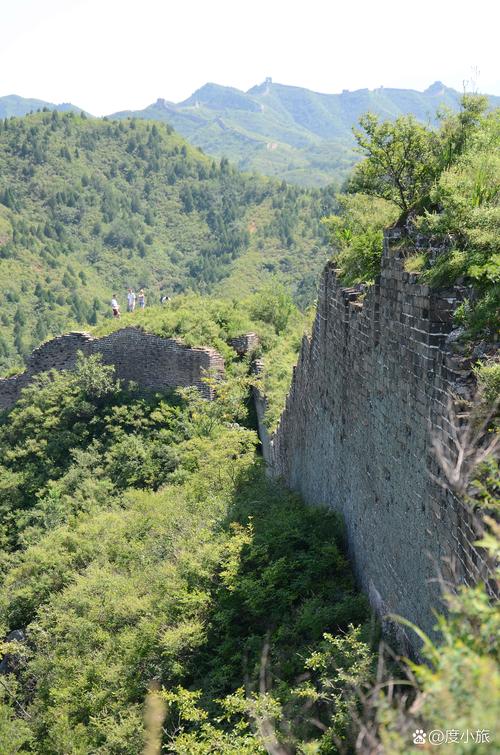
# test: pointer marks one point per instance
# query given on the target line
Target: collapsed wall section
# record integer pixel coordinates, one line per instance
(154, 363)
(371, 387)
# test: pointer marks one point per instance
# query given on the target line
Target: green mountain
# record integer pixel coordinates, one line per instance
(13, 105)
(89, 207)
(287, 132)
(142, 540)
(302, 136)
(161, 592)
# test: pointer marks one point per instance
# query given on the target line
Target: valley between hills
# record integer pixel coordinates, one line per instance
(260, 513)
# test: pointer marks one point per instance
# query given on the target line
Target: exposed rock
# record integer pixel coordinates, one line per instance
(10, 661)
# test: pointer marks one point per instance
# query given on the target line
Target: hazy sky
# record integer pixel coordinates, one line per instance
(108, 55)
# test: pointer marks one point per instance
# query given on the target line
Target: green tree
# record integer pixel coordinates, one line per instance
(402, 160)
(273, 305)
(457, 129)
(356, 233)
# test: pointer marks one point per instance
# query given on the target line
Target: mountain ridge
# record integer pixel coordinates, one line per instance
(290, 132)
(15, 105)
(280, 130)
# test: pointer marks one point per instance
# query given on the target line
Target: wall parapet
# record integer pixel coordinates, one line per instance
(371, 387)
(245, 344)
(154, 363)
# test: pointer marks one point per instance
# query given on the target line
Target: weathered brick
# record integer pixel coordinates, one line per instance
(154, 363)
(343, 437)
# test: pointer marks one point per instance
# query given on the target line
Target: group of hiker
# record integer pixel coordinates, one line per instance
(132, 299)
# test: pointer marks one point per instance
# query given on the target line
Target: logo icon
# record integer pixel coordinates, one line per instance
(419, 736)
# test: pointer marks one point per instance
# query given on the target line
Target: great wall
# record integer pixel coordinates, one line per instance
(370, 393)
(371, 390)
(154, 363)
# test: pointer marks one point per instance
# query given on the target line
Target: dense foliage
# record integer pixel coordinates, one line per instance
(142, 542)
(207, 321)
(443, 182)
(162, 587)
(357, 233)
(88, 208)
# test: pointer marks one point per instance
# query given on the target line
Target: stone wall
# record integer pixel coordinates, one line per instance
(260, 403)
(154, 363)
(370, 389)
(245, 343)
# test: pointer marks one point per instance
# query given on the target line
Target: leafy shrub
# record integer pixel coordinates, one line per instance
(357, 235)
(444, 182)
(455, 688)
(488, 377)
(149, 544)
(274, 306)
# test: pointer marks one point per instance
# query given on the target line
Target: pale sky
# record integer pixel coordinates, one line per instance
(109, 55)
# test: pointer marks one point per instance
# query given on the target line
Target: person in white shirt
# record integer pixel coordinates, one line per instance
(115, 306)
(130, 300)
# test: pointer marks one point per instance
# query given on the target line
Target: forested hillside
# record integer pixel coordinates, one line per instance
(88, 208)
(13, 105)
(145, 548)
(288, 132)
(302, 136)
(159, 590)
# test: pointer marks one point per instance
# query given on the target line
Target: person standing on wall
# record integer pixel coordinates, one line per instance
(130, 300)
(115, 306)
(141, 299)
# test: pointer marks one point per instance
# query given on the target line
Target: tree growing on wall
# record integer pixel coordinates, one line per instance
(405, 158)
(402, 160)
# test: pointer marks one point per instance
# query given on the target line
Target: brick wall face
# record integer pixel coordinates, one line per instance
(245, 343)
(154, 363)
(370, 388)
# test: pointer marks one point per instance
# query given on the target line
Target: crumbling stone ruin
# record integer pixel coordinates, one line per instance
(371, 389)
(154, 363)
(244, 344)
